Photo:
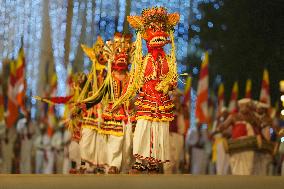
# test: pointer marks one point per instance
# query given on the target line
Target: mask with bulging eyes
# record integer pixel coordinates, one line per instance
(119, 49)
(156, 36)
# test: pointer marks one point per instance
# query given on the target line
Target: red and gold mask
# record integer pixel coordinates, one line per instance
(119, 50)
(155, 25)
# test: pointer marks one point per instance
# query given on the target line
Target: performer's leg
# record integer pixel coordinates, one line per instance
(127, 148)
(59, 162)
(102, 152)
(141, 139)
(88, 144)
(151, 142)
(222, 162)
(242, 163)
(74, 156)
(73, 169)
(114, 147)
(49, 163)
(39, 162)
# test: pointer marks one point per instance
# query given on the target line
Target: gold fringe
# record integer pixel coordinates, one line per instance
(164, 119)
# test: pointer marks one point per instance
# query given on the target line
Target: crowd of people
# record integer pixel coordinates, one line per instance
(121, 120)
(240, 143)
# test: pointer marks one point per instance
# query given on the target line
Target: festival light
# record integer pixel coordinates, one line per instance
(282, 98)
(281, 83)
(282, 112)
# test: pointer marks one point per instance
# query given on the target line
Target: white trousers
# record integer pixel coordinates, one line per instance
(39, 159)
(199, 161)
(74, 153)
(48, 164)
(261, 163)
(59, 158)
(66, 161)
(26, 157)
(241, 163)
(127, 148)
(7, 157)
(88, 144)
(222, 162)
(101, 150)
(114, 151)
(151, 141)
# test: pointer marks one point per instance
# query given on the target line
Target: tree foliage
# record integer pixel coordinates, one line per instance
(247, 36)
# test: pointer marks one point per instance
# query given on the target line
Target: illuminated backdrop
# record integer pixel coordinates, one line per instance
(90, 18)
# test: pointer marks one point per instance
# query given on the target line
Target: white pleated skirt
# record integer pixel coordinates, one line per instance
(151, 141)
(88, 145)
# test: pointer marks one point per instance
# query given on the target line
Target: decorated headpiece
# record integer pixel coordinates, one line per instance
(156, 17)
(118, 51)
(95, 53)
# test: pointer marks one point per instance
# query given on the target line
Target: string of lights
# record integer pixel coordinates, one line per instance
(22, 18)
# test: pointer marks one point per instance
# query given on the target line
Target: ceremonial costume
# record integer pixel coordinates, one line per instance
(220, 147)
(262, 158)
(113, 126)
(198, 139)
(91, 143)
(152, 76)
(241, 144)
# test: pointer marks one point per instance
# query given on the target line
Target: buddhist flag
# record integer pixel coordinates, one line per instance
(187, 90)
(264, 93)
(12, 107)
(20, 85)
(202, 92)
(221, 97)
(234, 98)
(51, 108)
(53, 85)
(248, 89)
(186, 103)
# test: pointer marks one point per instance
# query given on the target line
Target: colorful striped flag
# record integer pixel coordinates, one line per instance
(51, 108)
(264, 93)
(187, 91)
(248, 89)
(20, 85)
(234, 98)
(186, 103)
(202, 92)
(12, 107)
(221, 97)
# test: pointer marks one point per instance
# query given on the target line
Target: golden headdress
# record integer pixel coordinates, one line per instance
(120, 46)
(152, 15)
(94, 52)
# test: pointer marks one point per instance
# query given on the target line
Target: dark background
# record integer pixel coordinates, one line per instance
(247, 36)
